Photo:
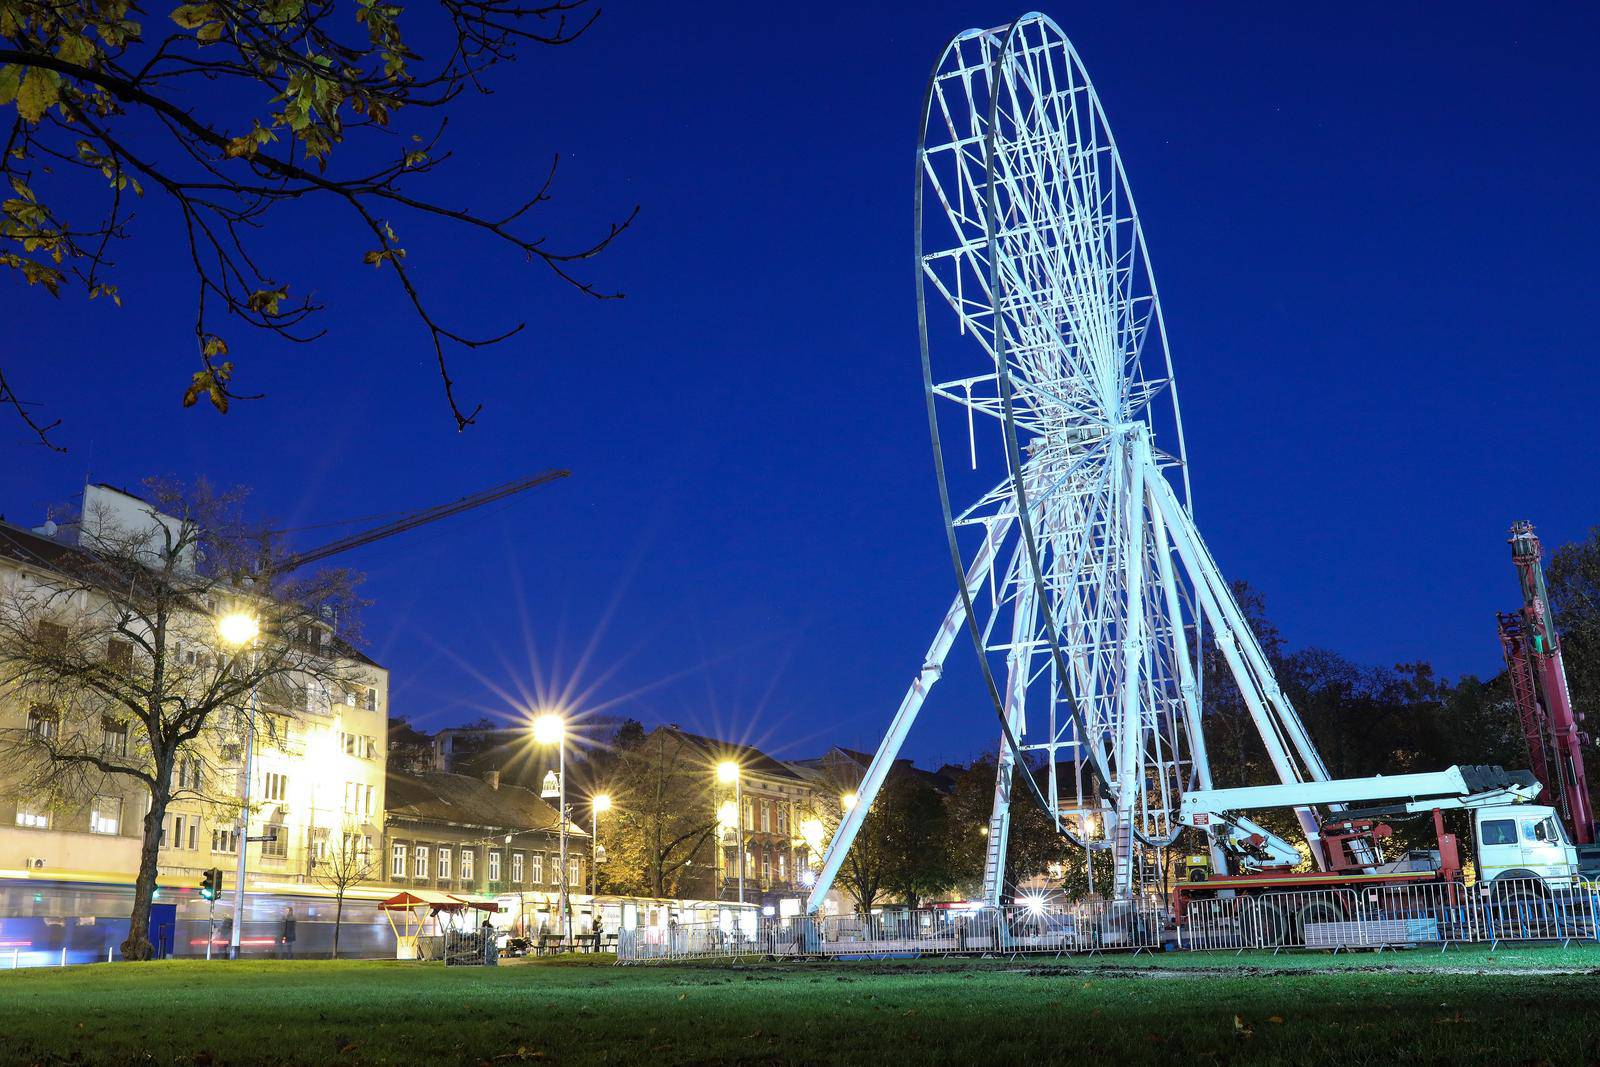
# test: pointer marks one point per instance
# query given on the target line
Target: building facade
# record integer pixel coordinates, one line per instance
(763, 810)
(478, 837)
(317, 777)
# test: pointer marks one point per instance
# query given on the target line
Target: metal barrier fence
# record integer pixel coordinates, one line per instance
(1335, 919)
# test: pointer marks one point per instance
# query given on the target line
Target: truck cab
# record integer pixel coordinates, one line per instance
(1527, 841)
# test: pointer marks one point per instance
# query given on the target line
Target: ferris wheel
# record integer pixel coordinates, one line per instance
(1058, 442)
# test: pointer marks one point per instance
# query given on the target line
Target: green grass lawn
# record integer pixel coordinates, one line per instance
(1396, 1007)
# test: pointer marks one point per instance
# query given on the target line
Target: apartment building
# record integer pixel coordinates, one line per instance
(317, 776)
(761, 809)
(477, 836)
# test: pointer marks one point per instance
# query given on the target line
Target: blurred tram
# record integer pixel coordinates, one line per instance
(48, 922)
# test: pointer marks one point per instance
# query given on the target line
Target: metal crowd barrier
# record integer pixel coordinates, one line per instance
(1336, 919)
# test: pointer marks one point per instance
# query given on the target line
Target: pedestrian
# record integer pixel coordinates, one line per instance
(286, 938)
(596, 927)
(489, 947)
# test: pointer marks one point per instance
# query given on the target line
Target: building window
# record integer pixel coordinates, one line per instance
(114, 737)
(276, 731)
(535, 868)
(574, 874)
(444, 865)
(44, 723)
(766, 816)
(372, 699)
(397, 861)
(119, 654)
(277, 844)
(358, 798)
(356, 848)
(185, 832)
(421, 865)
(516, 868)
(494, 866)
(106, 815)
(224, 839)
(467, 860)
(783, 817)
(189, 774)
(33, 819)
(275, 786)
(783, 867)
(317, 844)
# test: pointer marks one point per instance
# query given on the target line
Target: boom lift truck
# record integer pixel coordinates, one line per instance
(1513, 839)
(1520, 847)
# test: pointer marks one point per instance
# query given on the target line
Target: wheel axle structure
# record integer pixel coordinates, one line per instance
(1082, 579)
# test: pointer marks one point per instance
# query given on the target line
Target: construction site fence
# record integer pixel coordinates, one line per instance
(1395, 916)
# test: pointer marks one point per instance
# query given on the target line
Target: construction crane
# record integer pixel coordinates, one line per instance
(411, 520)
(1539, 687)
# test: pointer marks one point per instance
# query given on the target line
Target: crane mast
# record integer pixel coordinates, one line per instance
(1539, 687)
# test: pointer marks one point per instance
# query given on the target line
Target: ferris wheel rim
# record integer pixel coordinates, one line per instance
(1023, 517)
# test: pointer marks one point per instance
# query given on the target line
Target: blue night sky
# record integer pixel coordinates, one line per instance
(1375, 238)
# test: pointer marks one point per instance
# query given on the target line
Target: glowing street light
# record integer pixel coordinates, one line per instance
(847, 801)
(728, 772)
(550, 729)
(239, 630)
(598, 805)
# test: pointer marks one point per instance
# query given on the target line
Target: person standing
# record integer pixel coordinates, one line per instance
(597, 927)
(286, 938)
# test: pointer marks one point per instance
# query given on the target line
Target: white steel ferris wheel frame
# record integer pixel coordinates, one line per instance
(1081, 573)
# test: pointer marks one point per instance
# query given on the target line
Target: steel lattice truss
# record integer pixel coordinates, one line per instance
(1083, 581)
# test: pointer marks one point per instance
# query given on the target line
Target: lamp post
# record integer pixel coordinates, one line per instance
(599, 803)
(549, 729)
(239, 631)
(728, 771)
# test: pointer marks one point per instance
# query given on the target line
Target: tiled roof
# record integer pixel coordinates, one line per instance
(460, 799)
(749, 758)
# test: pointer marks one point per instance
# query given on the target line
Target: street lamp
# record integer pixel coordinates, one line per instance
(549, 729)
(599, 804)
(239, 631)
(728, 772)
(847, 801)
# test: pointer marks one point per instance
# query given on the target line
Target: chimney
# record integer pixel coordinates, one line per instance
(493, 778)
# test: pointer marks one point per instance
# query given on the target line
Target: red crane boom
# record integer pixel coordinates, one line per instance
(1539, 686)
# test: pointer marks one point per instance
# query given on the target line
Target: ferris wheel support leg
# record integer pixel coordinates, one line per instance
(1276, 719)
(889, 749)
(1019, 668)
(1130, 769)
(1187, 688)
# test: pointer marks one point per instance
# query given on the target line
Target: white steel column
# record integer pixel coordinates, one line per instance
(1136, 453)
(1019, 670)
(910, 704)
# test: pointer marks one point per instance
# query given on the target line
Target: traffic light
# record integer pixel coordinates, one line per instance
(211, 885)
